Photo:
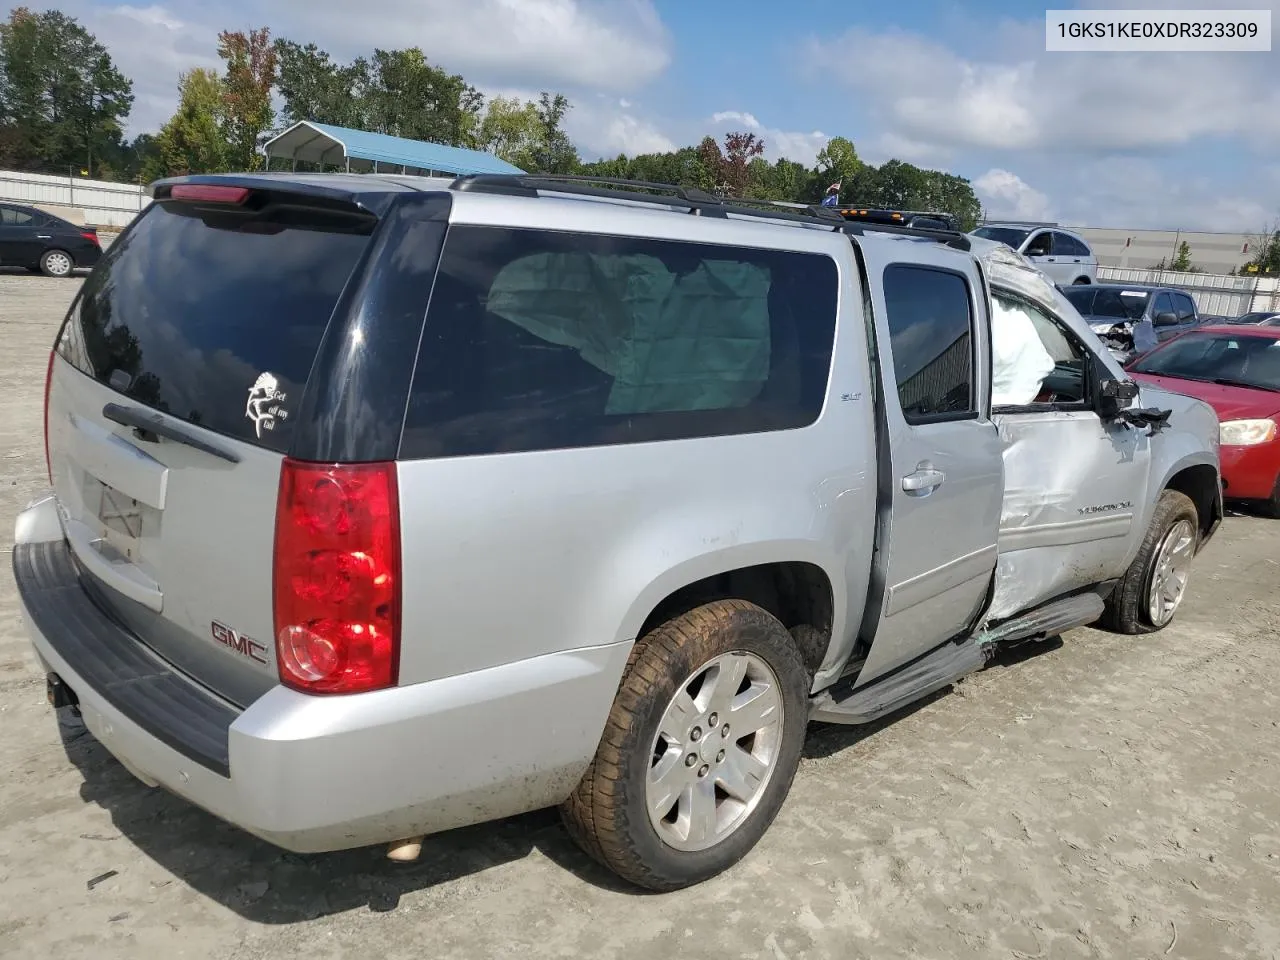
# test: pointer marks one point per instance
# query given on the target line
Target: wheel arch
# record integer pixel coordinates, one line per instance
(799, 592)
(1200, 482)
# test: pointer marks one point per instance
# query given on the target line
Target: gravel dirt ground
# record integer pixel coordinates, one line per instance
(1096, 797)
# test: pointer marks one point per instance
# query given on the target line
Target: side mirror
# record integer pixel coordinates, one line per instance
(1165, 320)
(1115, 396)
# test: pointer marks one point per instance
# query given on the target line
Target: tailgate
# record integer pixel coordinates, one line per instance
(170, 395)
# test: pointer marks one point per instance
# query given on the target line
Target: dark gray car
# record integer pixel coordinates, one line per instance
(1132, 318)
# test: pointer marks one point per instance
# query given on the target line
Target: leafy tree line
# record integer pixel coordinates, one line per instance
(739, 169)
(63, 107)
(63, 103)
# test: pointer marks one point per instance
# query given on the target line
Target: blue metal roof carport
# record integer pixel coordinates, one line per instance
(364, 152)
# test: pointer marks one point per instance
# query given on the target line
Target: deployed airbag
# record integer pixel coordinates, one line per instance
(697, 339)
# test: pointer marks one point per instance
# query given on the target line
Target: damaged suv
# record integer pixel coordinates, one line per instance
(1131, 318)
(385, 505)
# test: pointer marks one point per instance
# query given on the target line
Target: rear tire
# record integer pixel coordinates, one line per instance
(57, 263)
(1081, 282)
(1148, 596)
(699, 750)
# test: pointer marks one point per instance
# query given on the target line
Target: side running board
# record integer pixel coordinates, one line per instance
(843, 703)
(931, 672)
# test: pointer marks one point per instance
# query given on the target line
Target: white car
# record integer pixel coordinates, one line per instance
(1064, 256)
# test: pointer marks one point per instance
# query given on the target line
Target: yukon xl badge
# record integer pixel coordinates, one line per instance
(266, 404)
(239, 643)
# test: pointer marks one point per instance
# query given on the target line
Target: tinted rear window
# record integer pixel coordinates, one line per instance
(538, 340)
(198, 319)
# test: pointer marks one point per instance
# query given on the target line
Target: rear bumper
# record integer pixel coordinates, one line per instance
(312, 773)
(87, 255)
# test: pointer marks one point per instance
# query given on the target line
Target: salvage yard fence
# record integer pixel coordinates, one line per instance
(99, 203)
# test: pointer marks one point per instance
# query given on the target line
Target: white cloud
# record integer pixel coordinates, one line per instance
(1135, 192)
(601, 126)
(601, 44)
(615, 45)
(798, 146)
(151, 46)
(630, 135)
(893, 146)
(1028, 99)
(1006, 196)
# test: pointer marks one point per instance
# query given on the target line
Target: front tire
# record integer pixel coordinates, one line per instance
(57, 263)
(699, 750)
(1151, 591)
(1081, 282)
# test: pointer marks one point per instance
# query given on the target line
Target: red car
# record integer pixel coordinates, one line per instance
(1236, 370)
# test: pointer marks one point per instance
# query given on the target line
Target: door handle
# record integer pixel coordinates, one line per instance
(43, 236)
(1051, 259)
(923, 480)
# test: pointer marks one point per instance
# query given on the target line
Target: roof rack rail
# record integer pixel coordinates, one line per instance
(692, 200)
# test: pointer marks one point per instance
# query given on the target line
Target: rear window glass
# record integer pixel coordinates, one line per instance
(215, 325)
(539, 340)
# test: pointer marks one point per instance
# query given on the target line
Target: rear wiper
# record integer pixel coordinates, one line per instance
(149, 426)
(1228, 382)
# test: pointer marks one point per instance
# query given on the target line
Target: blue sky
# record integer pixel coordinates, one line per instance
(1188, 141)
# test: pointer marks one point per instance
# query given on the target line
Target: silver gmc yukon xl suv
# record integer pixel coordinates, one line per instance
(382, 505)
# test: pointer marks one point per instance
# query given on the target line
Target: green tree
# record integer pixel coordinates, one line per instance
(513, 131)
(837, 162)
(314, 87)
(408, 97)
(1182, 261)
(247, 113)
(556, 152)
(788, 181)
(193, 140)
(63, 103)
(137, 155)
(1267, 258)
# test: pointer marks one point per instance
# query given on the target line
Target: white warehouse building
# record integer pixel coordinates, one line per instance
(1211, 252)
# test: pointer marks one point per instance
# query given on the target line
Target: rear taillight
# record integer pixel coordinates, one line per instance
(337, 577)
(48, 383)
(90, 235)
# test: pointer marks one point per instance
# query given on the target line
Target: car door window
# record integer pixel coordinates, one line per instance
(1164, 304)
(14, 218)
(1068, 246)
(1035, 358)
(930, 323)
(1186, 308)
(1040, 245)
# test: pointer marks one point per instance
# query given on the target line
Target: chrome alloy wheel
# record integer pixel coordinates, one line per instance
(715, 751)
(1170, 572)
